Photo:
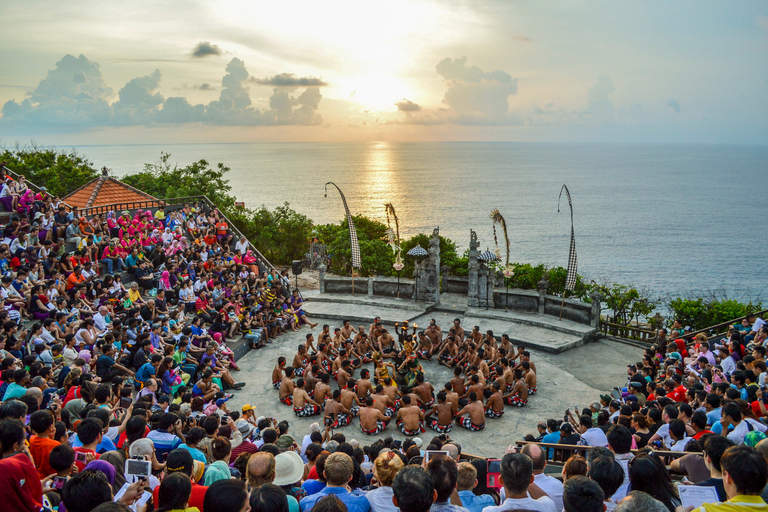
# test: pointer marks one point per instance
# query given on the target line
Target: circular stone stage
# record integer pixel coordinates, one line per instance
(564, 380)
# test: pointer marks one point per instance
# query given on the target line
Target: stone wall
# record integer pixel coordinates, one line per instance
(455, 284)
(378, 286)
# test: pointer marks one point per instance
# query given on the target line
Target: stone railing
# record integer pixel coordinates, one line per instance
(373, 286)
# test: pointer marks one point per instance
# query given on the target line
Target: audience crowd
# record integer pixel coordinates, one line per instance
(114, 396)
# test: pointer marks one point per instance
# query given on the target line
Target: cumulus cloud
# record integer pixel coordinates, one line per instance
(674, 105)
(476, 96)
(74, 94)
(405, 105)
(599, 105)
(290, 80)
(205, 49)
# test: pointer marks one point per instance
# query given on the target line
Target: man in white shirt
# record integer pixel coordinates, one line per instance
(592, 436)
(520, 489)
(669, 413)
(101, 319)
(551, 486)
(741, 426)
(726, 361)
(677, 433)
(242, 246)
(620, 443)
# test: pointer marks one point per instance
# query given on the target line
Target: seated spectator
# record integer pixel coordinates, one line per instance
(466, 482)
(580, 494)
(521, 492)
(413, 490)
(226, 496)
(745, 474)
(338, 473)
(444, 473)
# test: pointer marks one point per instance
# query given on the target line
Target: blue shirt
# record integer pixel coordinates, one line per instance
(145, 372)
(475, 503)
(713, 416)
(164, 443)
(106, 444)
(354, 503)
(551, 438)
(196, 454)
(313, 486)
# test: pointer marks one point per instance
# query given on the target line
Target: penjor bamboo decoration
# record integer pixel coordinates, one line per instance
(509, 270)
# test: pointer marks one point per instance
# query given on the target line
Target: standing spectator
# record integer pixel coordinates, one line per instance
(521, 492)
(580, 494)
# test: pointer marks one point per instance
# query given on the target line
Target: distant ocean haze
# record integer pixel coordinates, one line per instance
(674, 218)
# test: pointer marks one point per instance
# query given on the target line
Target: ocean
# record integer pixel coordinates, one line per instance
(676, 219)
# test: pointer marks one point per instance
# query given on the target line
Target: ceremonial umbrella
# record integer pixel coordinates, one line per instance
(417, 252)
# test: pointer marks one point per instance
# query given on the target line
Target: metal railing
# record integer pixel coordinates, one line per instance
(715, 330)
(627, 331)
(176, 201)
(563, 451)
(30, 184)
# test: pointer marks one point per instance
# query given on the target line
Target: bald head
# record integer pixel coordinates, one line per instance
(762, 447)
(537, 455)
(452, 450)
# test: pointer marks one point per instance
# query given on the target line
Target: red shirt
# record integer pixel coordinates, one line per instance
(40, 448)
(678, 395)
(195, 499)
(81, 465)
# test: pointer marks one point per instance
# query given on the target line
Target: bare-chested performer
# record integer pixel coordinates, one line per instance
(304, 406)
(391, 391)
(530, 377)
(364, 385)
(472, 416)
(424, 349)
(452, 397)
(338, 339)
(476, 336)
(506, 345)
(518, 397)
(349, 398)
(335, 414)
(449, 353)
(494, 405)
(372, 420)
(364, 347)
(458, 382)
(277, 372)
(435, 334)
(386, 344)
(459, 329)
(410, 419)
(347, 330)
(300, 361)
(373, 330)
(311, 379)
(383, 402)
(475, 388)
(322, 389)
(287, 387)
(309, 344)
(344, 374)
(442, 424)
(424, 391)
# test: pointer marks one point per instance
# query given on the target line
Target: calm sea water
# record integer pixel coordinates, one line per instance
(674, 218)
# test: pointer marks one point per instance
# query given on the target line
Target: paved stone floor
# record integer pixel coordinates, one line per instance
(574, 377)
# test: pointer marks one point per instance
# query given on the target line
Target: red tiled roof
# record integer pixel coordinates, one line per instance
(105, 190)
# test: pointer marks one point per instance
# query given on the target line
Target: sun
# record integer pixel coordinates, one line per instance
(377, 92)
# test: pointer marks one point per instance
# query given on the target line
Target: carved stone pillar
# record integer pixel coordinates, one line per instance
(321, 277)
(542, 294)
(434, 265)
(472, 273)
(594, 320)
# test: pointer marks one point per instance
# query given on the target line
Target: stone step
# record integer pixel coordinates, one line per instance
(358, 313)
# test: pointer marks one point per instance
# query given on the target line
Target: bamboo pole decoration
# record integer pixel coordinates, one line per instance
(354, 243)
(570, 278)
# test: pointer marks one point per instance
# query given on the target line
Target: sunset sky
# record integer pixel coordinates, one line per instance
(96, 72)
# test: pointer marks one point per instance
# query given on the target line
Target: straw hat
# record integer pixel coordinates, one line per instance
(289, 468)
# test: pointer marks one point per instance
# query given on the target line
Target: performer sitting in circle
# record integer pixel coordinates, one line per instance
(322, 389)
(277, 372)
(472, 416)
(304, 406)
(442, 424)
(336, 415)
(349, 397)
(372, 420)
(424, 350)
(518, 397)
(363, 387)
(287, 387)
(410, 419)
(494, 405)
(530, 377)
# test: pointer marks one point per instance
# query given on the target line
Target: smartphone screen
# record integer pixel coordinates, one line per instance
(494, 466)
(59, 481)
(125, 403)
(138, 468)
(432, 453)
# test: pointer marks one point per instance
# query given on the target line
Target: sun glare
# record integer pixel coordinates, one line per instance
(376, 92)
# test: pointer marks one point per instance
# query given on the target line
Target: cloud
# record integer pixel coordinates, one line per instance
(674, 105)
(520, 38)
(75, 95)
(599, 105)
(290, 80)
(475, 96)
(405, 105)
(137, 103)
(72, 94)
(205, 49)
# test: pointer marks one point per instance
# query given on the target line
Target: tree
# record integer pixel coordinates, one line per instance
(58, 171)
(627, 302)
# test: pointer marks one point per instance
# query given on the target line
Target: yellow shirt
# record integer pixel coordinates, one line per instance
(736, 504)
(134, 295)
